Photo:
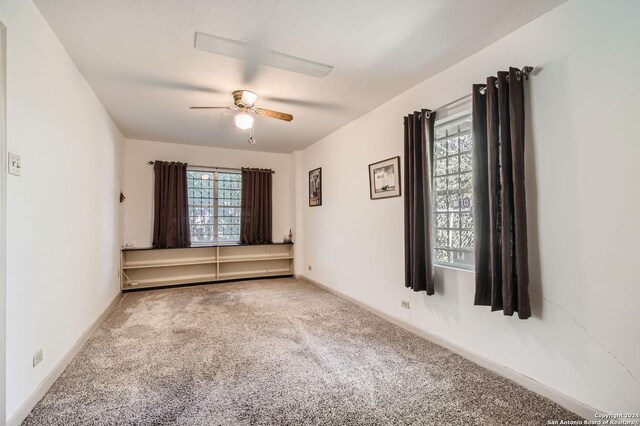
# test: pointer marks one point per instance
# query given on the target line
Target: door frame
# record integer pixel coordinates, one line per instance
(3, 220)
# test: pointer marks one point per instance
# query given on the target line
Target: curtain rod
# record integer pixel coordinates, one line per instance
(526, 72)
(151, 163)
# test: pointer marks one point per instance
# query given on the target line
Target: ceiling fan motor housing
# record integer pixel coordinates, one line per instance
(244, 98)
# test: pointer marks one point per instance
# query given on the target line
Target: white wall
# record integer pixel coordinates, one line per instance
(583, 200)
(300, 187)
(138, 183)
(63, 219)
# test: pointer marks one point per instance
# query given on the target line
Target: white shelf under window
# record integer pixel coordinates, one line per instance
(147, 268)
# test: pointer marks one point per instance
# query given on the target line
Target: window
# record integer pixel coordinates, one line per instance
(214, 206)
(453, 193)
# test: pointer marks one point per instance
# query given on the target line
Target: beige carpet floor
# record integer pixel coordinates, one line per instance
(273, 352)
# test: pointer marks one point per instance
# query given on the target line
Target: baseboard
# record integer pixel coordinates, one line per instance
(559, 398)
(26, 407)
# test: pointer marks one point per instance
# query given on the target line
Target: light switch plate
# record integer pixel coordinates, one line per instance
(15, 164)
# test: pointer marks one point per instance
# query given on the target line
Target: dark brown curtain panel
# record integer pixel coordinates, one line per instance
(171, 206)
(418, 172)
(502, 273)
(255, 222)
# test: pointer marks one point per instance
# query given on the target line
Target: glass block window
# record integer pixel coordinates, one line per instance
(214, 206)
(453, 193)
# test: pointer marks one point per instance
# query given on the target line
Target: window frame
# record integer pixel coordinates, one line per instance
(215, 171)
(449, 119)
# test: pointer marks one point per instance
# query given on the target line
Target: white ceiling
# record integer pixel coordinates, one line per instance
(139, 58)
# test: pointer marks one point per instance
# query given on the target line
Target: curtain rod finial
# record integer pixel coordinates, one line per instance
(526, 71)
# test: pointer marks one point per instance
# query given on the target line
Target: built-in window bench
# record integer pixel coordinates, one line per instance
(149, 267)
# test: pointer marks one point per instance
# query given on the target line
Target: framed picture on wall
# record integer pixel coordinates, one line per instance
(384, 178)
(315, 187)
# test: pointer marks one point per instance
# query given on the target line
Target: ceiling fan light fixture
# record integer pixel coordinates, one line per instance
(244, 121)
(244, 98)
(248, 98)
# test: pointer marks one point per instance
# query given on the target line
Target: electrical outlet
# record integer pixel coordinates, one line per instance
(15, 164)
(405, 304)
(309, 266)
(37, 358)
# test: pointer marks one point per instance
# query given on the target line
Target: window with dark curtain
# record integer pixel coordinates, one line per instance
(418, 173)
(256, 216)
(502, 270)
(171, 206)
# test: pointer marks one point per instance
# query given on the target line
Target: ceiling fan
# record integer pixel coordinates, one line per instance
(244, 101)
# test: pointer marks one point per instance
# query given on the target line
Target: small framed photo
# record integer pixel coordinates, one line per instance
(384, 178)
(315, 187)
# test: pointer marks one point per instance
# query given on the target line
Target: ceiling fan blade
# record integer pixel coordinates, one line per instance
(241, 50)
(163, 83)
(306, 103)
(273, 114)
(208, 107)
